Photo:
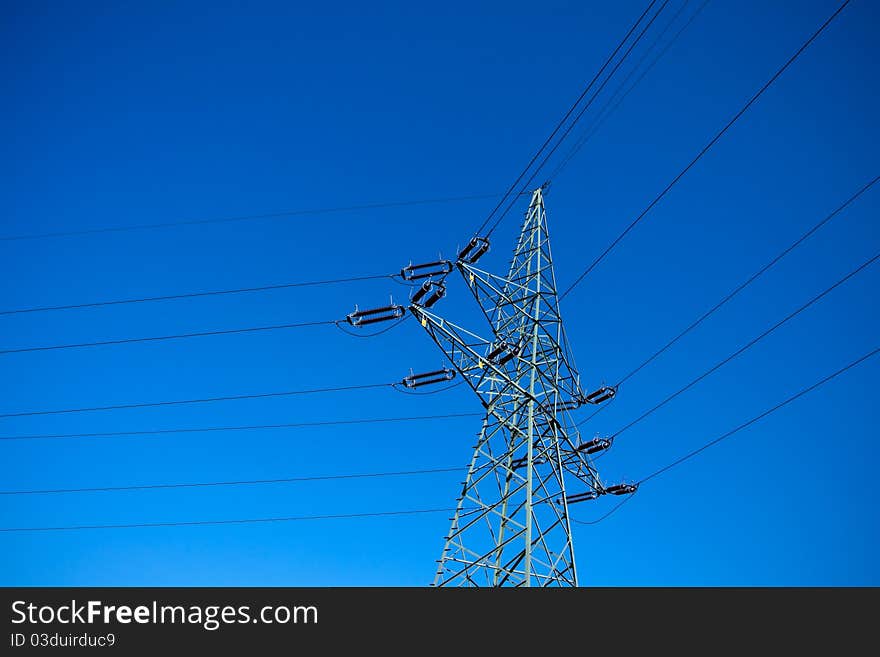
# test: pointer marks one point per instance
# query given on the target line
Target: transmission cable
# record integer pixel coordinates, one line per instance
(249, 427)
(704, 150)
(654, 474)
(160, 338)
(237, 521)
(245, 482)
(566, 117)
(751, 343)
(734, 292)
(751, 279)
(617, 97)
(593, 414)
(748, 423)
(401, 388)
(274, 215)
(728, 434)
(339, 324)
(193, 295)
(578, 117)
(174, 402)
(607, 514)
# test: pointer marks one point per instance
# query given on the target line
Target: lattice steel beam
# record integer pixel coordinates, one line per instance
(511, 526)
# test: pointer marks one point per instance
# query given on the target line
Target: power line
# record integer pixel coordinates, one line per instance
(761, 416)
(593, 414)
(274, 215)
(194, 523)
(193, 295)
(246, 482)
(639, 419)
(751, 279)
(579, 115)
(736, 291)
(251, 427)
(751, 343)
(159, 338)
(732, 432)
(654, 474)
(565, 118)
(704, 150)
(339, 324)
(416, 393)
(608, 514)
(203, 400)
(617, 98)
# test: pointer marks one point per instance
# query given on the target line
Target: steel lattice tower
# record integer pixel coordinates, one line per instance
(512, 526)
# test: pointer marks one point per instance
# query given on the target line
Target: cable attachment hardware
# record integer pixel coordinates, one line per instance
(426, 270)
(622, 489)
(375, 315)
(579, 497)
(602, 394)
(429, 293)
(502, 353)
(595, 445)
(474, 250)
(427, 378)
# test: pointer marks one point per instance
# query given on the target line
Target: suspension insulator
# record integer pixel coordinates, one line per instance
(427, 378)
(602, 394)
(429, 293)
(438, 291)
(502, 353)
(426, 270)
(593, 446)
(421, 292)
(569, 405)
(374, 315)
(474, 250)
(622, 489)
(497, 351)
(581, 497)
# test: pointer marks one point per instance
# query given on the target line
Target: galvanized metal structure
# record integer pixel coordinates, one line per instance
(512, 525)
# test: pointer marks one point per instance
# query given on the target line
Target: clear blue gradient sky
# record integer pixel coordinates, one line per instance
(117, 114)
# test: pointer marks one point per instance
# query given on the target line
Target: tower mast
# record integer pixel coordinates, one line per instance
(511, 526)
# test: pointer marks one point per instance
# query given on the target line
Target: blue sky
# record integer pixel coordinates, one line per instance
(119, 114)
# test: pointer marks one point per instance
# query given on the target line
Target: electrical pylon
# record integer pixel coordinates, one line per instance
(511, 526)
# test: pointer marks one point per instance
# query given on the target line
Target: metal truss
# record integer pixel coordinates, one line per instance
(511, 526)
